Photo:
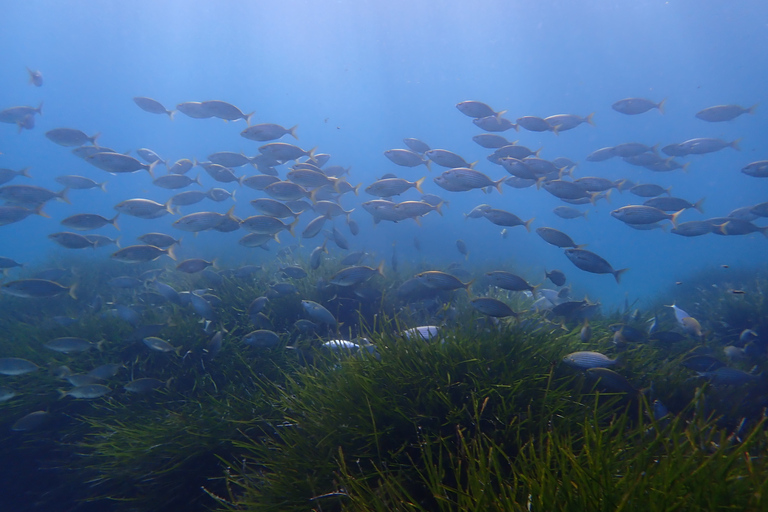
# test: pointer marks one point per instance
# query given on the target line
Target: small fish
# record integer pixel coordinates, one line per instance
(159, 240)
(462, 248)
(417, 145)
(144, 385)
(476, 109)
(533, 124)
(720, 113)
(556, 276)
(118, 163)
(318, 313)
(557, 238)
(586, 359)
(37, 288)
(194, 265)
(725, 376)
(225, 111)
(79, 182)
(160, 345)
(142, 253)
(635, 106)
(508, 281)
(492, 307)
(424, 332)
(586, 332)
(31, 421)
(35, 77)
(70, 137)
(442, 281)
(566, 212)
(69, 345)
(152, 106)
(16, 366)
(87, 392)
(353, 276)
(268, 131)
(88, 221)
(406, 158)
(261, 338)
(611, 380)
(591, 262)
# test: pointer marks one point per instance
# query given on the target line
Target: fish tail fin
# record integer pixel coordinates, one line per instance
(674, 217)
(39, 211)
(585, 214)
(589, 120)
(580, 246)
(556, 129)
(417, 184)
(171, 252)
(356, 188)
(498, 184)
(751, 110)
(468, 286)
(117, 242)
(113, 221)
(292, 226)
(292, 131)
(593, 197)
(311, 154)
(380, 268)
(24, 172)
(516, 127)
(668, 190)
(536, 287)
(248, 118)
(661, 104)
(170, 113)
(536, 153)
(685, 166)
(93, 139)
(72, 291)
(439, 208)
(473, 164)
(169, 207)
(735, 144)
(764, 231)
(277, 239)
(62, 393)
(698, 205)
(539, 182)
(100, 345)
(151, 169)
(617, 274)
(499, 114)
(39, 108)
(63, 196)
(527, 224)
(197, 180)
(103, 186)
(428, 163)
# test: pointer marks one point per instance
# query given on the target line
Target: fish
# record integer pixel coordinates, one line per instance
(556, 276)
(70, 137)
(159, 344)
(144, 385)
(393, 187)
(611, 380)
(285, 191)
(692, 228)
(406, 158)
(194, 265)
(31, 421)
(462, 248)
(674, 204)
(445, 158)
(649, 190)
(492, 307)
(261, 338)
(268, 131)
(142, 253)
(318, 313)
(758, 169)
(505, 218)
(416, 145)
(16, 366)
(494, 123)
(438, 280)
(562, 122)
(175, 181)
(35, 77)
(355, 275)
(159, 240)
(149, 156)
(282, 151)
(225, 111)
(557, 238)
(152, 106)
(87, 392)
(591, 262)
(476, 109)
(69, 345)
(143, 208)
(37, 288)
(24, 195)
(566, 212)
(640, 214)
(533, 124)
(7, 175)
(725, 376)
(424, 332)
(78, 182)
(720, 113)
(181, 166)
(201, 221)
(508, 281)
(118, 163)
(194, 109)
(88, 221)
(587, 359)
(705, 145)
(635, 106)
(266, 225)
(464, 178)
(568, 190)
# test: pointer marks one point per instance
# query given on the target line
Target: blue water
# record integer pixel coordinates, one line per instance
(359, 76)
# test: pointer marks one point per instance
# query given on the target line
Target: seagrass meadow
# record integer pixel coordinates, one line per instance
(486, 416)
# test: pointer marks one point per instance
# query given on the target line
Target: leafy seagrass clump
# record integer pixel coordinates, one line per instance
(372, 413)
